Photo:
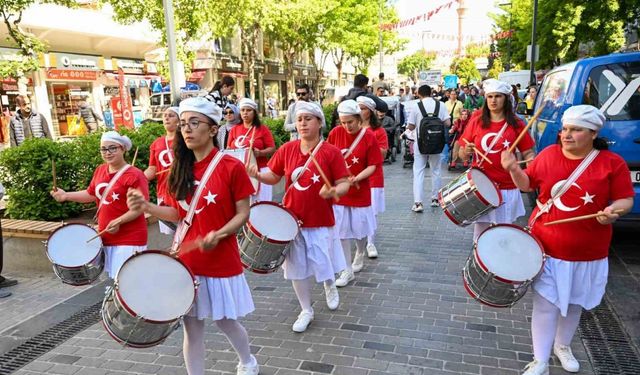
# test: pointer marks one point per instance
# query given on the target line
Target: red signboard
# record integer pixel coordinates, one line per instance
(125, 100)
(72, 75)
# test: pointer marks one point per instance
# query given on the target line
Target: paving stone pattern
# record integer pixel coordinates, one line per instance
(407, 313)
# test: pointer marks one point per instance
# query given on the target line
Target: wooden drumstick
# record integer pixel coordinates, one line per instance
(583, 217)
(526, 129)
(101, 232)
(479, 152)
(324, 176)
(524, 161)
(163, 171)
(53, 172)
(135, 155)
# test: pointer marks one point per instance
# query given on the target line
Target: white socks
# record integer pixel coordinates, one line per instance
(346, 249)
(361, 245)
(303, 292)
(238, 337)
(547, 324)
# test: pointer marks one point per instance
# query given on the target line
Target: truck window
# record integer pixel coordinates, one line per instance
(553, 92)
(156, 100)
(615, 89)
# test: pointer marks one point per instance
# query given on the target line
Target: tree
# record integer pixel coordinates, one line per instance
(466, 70)
(29, 46)
(413, 64)
(496, 68)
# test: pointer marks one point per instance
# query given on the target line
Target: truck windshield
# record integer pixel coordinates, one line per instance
(615, 89)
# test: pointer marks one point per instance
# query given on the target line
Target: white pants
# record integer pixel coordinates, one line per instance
(419, 165)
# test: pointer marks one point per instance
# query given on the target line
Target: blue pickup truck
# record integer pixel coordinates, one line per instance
(611, 83)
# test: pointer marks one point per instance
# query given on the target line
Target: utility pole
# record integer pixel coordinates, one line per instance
(532, 79)
(380, 34)
(171, 47)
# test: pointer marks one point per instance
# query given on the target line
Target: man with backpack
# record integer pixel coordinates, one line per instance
(429, 117)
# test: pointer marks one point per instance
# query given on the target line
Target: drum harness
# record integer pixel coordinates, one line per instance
(107, 190)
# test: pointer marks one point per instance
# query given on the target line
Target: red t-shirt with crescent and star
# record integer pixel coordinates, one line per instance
(133, 233)
(228, 184)
(303, 197)
(365, 154)
(240, 137)
(605, 180)
(161, 157)
(483, 138)
(377, 178)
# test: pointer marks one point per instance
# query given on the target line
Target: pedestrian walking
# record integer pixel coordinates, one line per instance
(302, 94)
(27, 123)
(220, 91)
(473, 100)
(90, 117)
(577, 177)
(231, 118)
(316, 252)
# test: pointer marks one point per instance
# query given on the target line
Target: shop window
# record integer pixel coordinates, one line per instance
(222, 45)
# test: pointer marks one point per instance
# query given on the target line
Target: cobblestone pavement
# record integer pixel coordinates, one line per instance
(407, 313)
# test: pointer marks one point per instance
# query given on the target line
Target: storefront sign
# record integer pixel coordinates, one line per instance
(129, 66)
(10, 87)
(72, 75)
(275, 69)
(72, 61)
(232, 65)
(111, 91)
(125, 100)
(10, 54)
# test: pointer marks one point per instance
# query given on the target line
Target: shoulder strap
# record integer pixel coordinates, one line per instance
(304, 167)
(112, 182)
(436, 111)
(495, 140)
(422, 109)
(185, 224)
(453, 109)
(355, 143)
(544, 208)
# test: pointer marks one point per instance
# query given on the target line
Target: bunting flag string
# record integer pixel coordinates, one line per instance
(421, 17)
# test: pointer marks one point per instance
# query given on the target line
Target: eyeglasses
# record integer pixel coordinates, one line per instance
(110, 149)
(193, 123)
(301, 93)
(228, 113)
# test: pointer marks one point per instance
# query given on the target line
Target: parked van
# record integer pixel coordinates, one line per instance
(610, 83)
(162, 100)
(513, 78)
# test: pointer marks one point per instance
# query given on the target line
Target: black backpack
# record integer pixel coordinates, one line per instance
(431, 137)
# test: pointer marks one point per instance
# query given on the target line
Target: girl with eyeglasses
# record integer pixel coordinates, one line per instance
(126, 229)
(252, 134)
(161, 158)
(220, 211)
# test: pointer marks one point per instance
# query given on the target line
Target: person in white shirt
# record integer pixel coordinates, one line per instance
(420, 160)
(302, 94)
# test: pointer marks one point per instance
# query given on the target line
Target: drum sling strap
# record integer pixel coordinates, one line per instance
(185, 224)
(544, 208)
(355, 143)
(304, 168)
(495, 140)
(107, 190)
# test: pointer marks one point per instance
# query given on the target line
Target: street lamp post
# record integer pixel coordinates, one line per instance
(171, 47)
(532, 77)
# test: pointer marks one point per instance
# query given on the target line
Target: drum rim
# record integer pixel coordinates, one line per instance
(476, 192)
(485, 268)
(46, 250)
(117, 295)
(128, 343)
(446, 212)
(260, 234)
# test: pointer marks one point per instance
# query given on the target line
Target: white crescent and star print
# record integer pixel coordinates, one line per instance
(297, 176)
(586, 198)
(210, 198)
(165, 158)
(100, 189)
(239, 142)
(486, 141)
(354, 160)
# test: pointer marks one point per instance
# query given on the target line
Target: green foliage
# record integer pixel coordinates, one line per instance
(328, 112)
(276, 126)
(413, 64)
(465, 68)
(496, 68)
(25, 171)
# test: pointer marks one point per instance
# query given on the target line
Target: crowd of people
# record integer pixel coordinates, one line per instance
(335, 188)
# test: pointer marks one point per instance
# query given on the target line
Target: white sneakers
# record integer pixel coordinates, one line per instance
(251, 369)
(536, 368)
(333, 298)
(417, 207)
(303, 321)
(345, 278)
(358, 261)
(568, 361)
(372, 252)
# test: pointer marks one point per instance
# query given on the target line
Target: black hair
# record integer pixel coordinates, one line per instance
(303, 86)
(226, 81)
(424, 91)
(361, 81)
(256, 118)
(381, 75)
(509, 116)
(181, 178)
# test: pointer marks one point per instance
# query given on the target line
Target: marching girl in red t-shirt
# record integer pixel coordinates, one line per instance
(575, 271)
(219, 212)
(354, 215)
(492, 131)
(376, 181)
(126, 228)
(161, 158)
(251, 130)
(315, 252)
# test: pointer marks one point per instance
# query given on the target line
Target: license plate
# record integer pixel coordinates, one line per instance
(635, 177)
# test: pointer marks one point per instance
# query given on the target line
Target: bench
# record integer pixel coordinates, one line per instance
(24, 243)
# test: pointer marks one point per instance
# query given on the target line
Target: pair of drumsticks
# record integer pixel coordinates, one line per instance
(327, 183)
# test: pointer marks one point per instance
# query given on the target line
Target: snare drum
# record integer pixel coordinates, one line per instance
(151, 292)
(241, 154)
(468, 197)
(75, 261)
(266, 237)
(504, 261)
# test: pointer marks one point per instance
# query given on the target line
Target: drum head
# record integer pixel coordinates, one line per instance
(273, 221)
(486, 187)
(510, 253)
(68, 245)
(156, 286)
(237, 153)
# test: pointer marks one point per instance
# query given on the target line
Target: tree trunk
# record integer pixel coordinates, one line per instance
(338, 58)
